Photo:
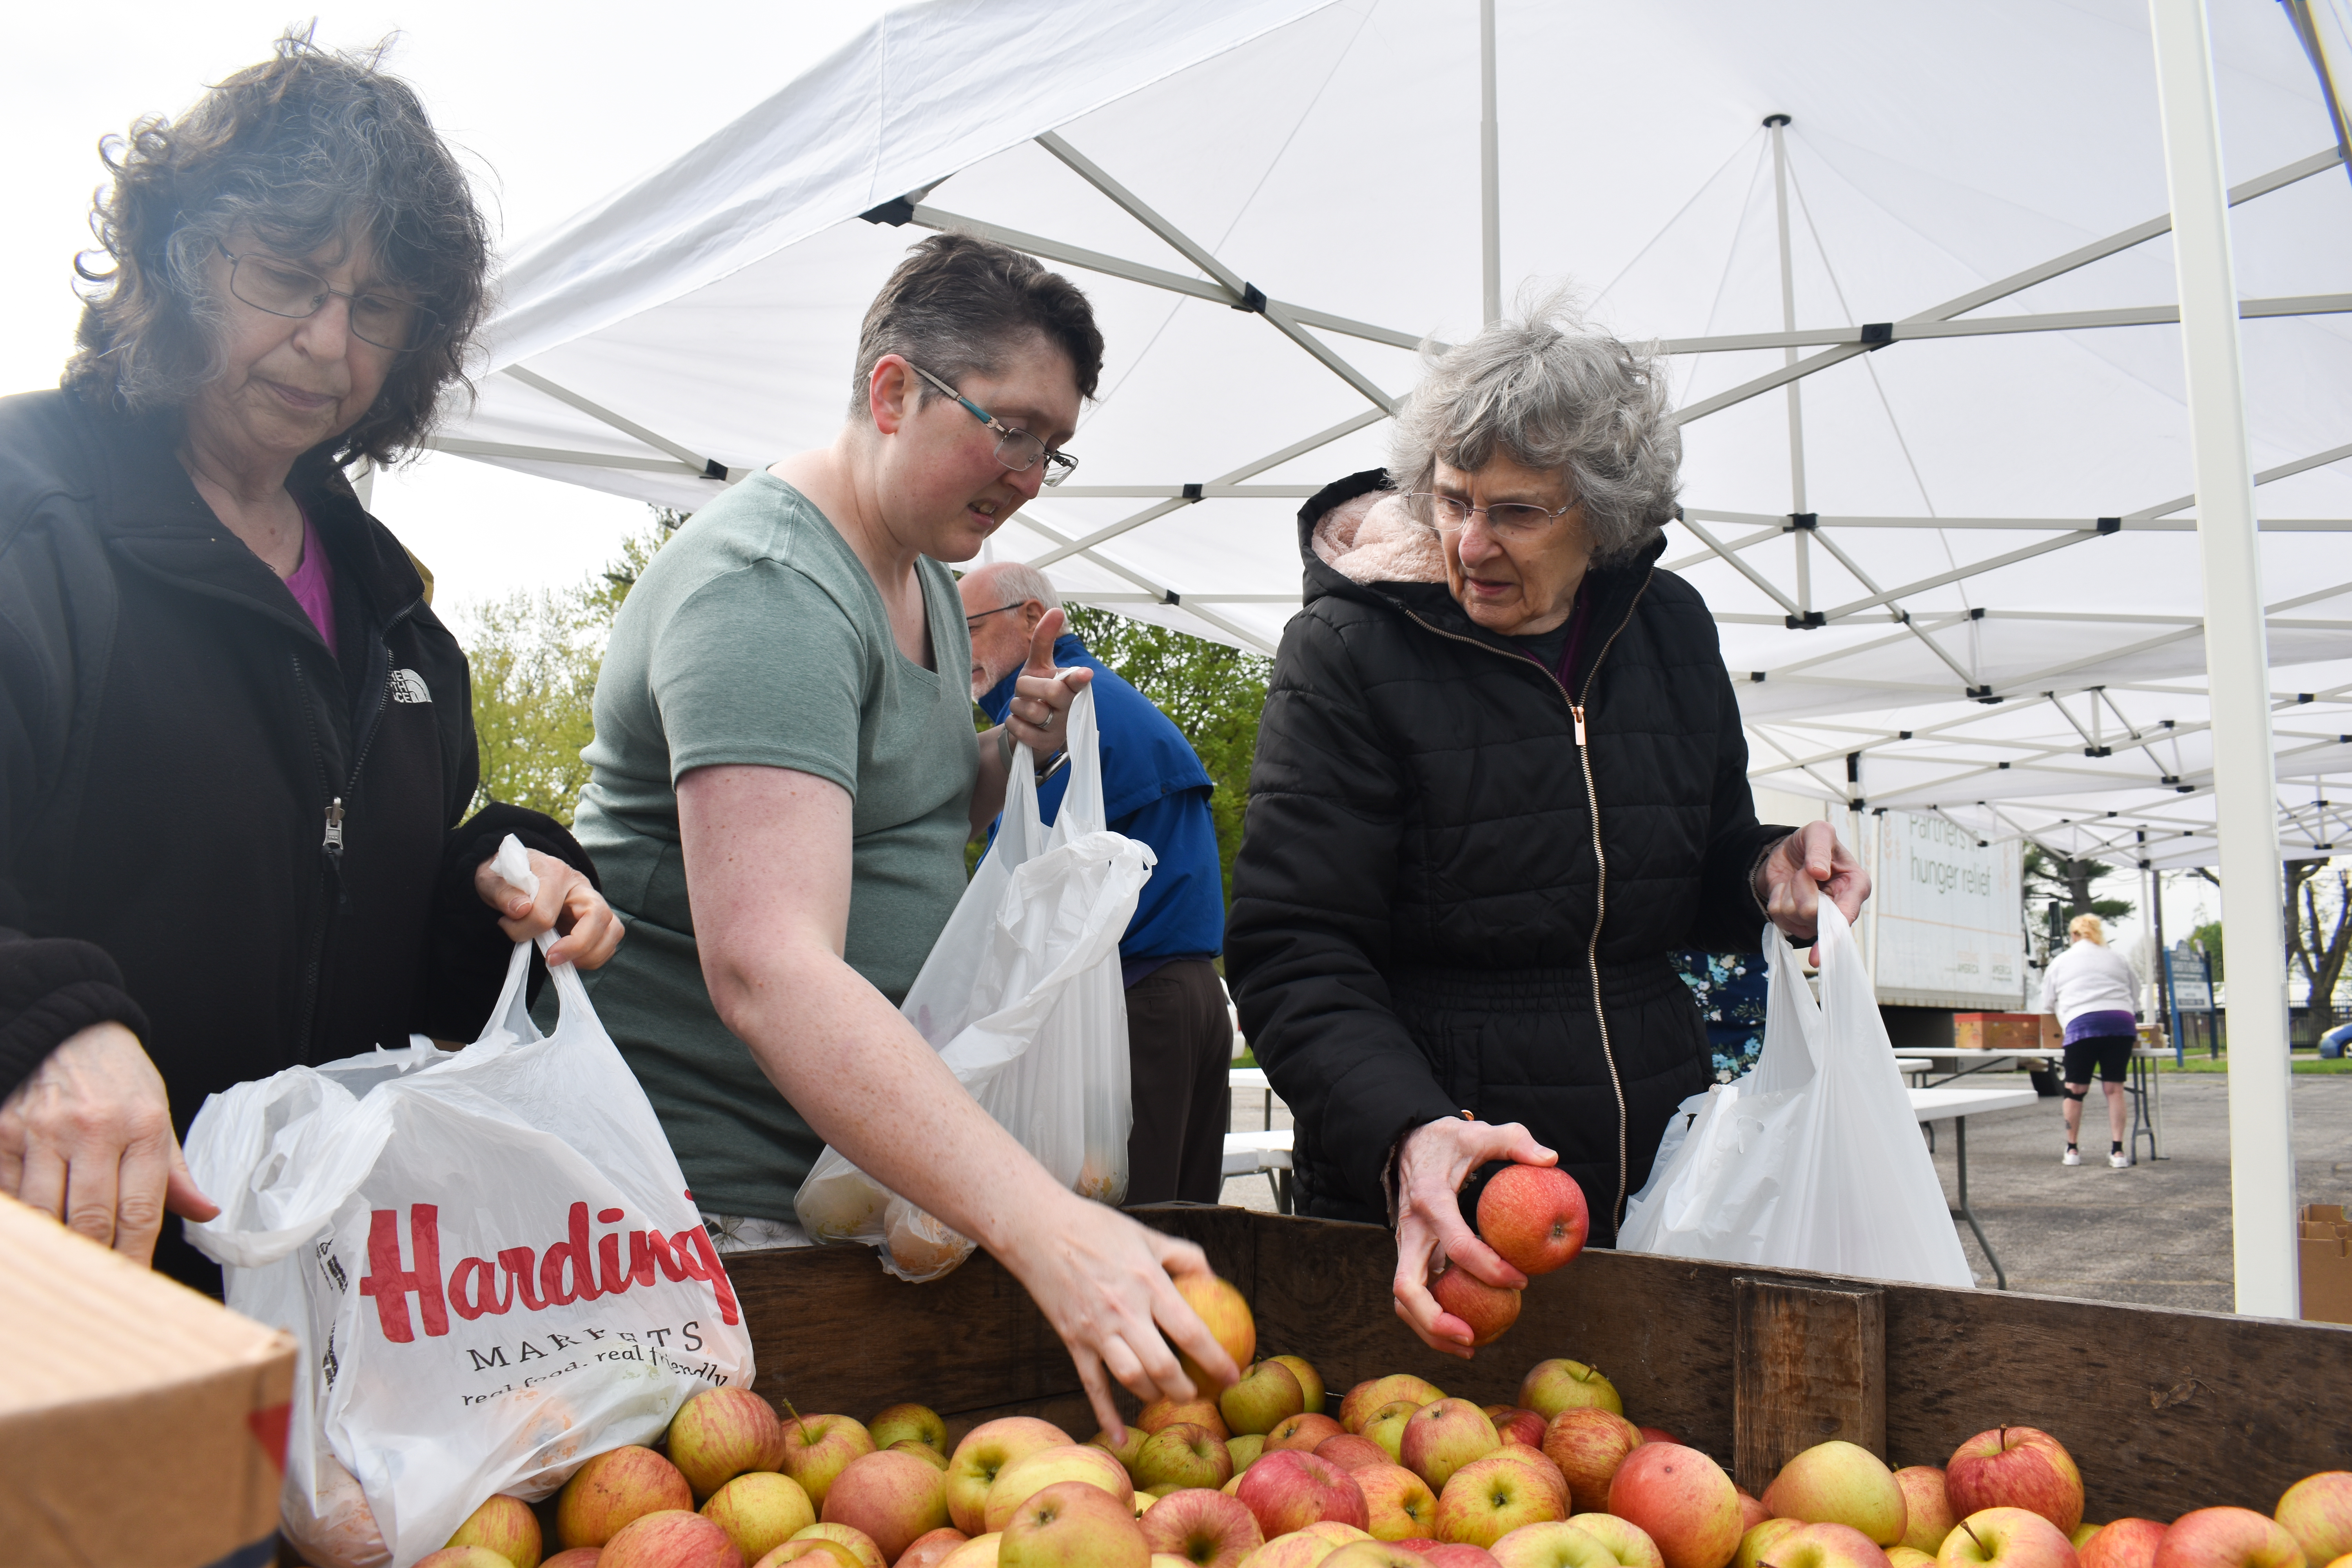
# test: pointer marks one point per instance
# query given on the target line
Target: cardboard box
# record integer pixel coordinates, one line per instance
(2327, 1247)
(1997, 1031)
(2053, 1034)
(140, 1422)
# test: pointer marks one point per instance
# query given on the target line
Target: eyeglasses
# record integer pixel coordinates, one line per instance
(269, 285)
(1506, 520)
(1015, 447)
(971, 623)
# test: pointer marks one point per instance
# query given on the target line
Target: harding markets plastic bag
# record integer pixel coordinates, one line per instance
(1813, 1159)
(489, 1257)
(1021, 997)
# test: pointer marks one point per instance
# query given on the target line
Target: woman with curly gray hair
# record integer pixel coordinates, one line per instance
(238, 744)
(1500, 777)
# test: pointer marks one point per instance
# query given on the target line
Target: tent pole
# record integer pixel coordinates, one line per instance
(2262, 1154)
(1775, 124)
(1490, 198)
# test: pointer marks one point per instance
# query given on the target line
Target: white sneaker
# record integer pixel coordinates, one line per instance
(2119, 1161)
(2073, 1157)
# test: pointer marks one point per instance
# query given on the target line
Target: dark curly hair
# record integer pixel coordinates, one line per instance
(311, 147)
(957, 302)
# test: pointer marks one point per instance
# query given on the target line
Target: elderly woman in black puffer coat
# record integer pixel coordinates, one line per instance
(1500, 777)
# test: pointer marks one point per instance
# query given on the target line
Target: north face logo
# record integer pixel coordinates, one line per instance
(407, 685)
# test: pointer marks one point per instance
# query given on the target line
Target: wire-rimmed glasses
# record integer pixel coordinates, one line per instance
(1516, 520)
(280, 289)
(1015, 449)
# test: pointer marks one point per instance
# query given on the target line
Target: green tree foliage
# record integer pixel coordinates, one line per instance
(2052, 878)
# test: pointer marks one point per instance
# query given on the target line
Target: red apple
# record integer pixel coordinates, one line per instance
(463, 1557)
(720, 1434)
(1552, 1387)
(613, 1491)
(1162, 1413)
(1201, 1527)
(1441, 1439)
(2317, 1511)
(2006, 1538)
(1373, 1554)
(932, 1550)
(1627, 1542)
(1309, 1380)
(1684, 1501)
(1827, 1544)
(1760, 1538)
(507, 1526)
(901, 1422)
(1226, 1314)
(1839, 1483)
(578, 1557)
(1033, 1473)
(1514, 1425)
(2016, 1467)
(1304, 1548)
(1587, 1444)
(1546, 1473)
(1657, 1434)
(979, 1552)
(1268, 1394)
(673, 1538)
(1302, 1432)
(843, 1538)
(2228, 1538)
(2127, 1543)
(1533, 1216)
(1398, 1504)
(894, 1497)
(811, 1552)
(921, 1450)
(1370, 1395)
(982, 1455)
(1552, 1543)
(1488, 1499)
(1071, 1524)
(1752, 1511)
(1183, 1456)
(759, 1511)
(1487, 1310)
(1352, 1453)
(1927, 1515)
(1287, 1489)
(818, 1447)
(1454, 1554)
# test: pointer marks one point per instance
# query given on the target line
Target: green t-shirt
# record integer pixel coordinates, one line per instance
(756, 637)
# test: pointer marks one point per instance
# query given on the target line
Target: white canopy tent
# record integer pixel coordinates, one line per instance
(1915, 266)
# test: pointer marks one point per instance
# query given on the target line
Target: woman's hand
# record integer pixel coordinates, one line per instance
(1431, 1168)
(88, 1139)
(1103, 1282)
(567, 902)
(1799, 870)
(1039, 713)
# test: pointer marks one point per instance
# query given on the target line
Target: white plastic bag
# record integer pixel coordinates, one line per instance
(489, 1257)
(1812, 1160)
(1021, 997)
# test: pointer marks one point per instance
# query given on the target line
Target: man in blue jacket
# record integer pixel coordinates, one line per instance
(1179, 1034)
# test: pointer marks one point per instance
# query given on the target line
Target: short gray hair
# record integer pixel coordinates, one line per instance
(1549, 392)
(1020, 582)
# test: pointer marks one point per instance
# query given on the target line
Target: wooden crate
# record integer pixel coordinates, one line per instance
(1997, 1031)
(2164, 1411)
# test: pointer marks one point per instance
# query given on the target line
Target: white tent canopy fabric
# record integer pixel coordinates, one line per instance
(1960, 575)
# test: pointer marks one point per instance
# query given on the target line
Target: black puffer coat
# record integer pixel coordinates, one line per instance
(1423, 905)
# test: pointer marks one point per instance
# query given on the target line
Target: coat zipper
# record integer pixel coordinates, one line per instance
(1576, 706)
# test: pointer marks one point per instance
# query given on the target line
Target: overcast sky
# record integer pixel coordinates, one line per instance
(551, 107)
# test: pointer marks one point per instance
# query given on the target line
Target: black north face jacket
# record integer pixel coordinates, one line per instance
(1454, 893)
(240, 842)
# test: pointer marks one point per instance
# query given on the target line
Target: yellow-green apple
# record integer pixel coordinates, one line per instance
(1552, 1543)
(2016, 1467)
(1373, 1554)
(1386, 1426)
(507, 1526)
(1168, 1412)
(1351, 1452)
(1752, 1511)
(1547, 1474)
(818, 1447)
(1487, 1310)
(894, 1497)
(1488, 1499)
(1683, 1499)
(979, 1552)
(1225, 1313)
(1310, 1382)
(1533, 1216)
(1244, 1451)
(1908, 1557)
(983, 1454)
(1267, 1393)
(1303, 1432)
(1130, 1444)
(759, 1511)
(1183, 1455)
(930, 1551)
(613, 1489)
(1927, 1515)
(2228, 1538)
(1033, 1473)
(1071, 1524)
(1552, 1387)
(1398, 1504)
(673, 1538)
(720, 1434)
(2006, 1538)
(1441, 1439)
(1827, 1544)
(2126, 1543)
(1758, 1538)
(843, 1536)
(463, 1557)
(1840, 1483)
(1206, 1528)
(1516, 1425)
(919, 1422)
(923, 1451)
(2317, 1511)
(1627, 1542)
(1358, 1407)
(1289, 1489)
(1587, 1444)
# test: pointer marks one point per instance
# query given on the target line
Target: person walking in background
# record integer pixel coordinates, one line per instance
(1179, 1034)
(2094, 993)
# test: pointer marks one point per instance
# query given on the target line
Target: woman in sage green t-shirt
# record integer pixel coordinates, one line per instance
(784, 778)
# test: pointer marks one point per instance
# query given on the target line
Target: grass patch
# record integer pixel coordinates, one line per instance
(1247, 1060)
(2299, 1065)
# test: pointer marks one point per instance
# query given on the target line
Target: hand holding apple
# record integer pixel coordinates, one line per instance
(1534, 1216)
